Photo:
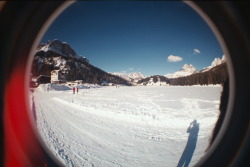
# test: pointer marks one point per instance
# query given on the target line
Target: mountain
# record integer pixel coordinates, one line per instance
(215, 75)
(154, 80)
(184, 71)
(56, 46)
(131, 77)
(216, 62)
(57, 55)
(187, 70)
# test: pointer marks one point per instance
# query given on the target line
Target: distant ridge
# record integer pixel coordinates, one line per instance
(131, 77)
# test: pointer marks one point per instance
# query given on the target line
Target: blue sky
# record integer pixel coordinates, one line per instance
(137, 36)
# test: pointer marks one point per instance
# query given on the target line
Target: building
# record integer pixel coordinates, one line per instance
(57, 76)
(74, 83)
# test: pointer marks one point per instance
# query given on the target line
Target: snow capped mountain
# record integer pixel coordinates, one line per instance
(184, 71)
(57, 55)
(61, 48)
(57, 46)
(216, 62)
(187, 70)
(131, 77)
(136, 75)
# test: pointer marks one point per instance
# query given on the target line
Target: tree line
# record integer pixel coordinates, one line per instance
(216, 75)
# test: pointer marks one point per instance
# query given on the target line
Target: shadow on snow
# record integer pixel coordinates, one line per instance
(187, 154)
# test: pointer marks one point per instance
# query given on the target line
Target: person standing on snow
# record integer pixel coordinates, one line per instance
(77, 90)
(74, 90)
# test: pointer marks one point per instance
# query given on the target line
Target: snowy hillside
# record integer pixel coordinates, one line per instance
(128, 126)
(184, 71)
(57, 55)
(131, 77)
(59, 47)
(216, 62)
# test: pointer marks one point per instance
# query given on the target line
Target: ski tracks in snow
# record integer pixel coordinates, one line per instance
(123, 127)
(49, 128)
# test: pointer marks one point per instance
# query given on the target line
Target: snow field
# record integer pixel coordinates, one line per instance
(126, 126)
(63, 87)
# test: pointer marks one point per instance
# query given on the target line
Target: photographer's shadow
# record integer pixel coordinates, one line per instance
(187, 154)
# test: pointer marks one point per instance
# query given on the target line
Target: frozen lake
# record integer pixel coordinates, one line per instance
(128, 126)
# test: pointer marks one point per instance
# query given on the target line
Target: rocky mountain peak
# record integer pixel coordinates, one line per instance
(57, 55)
(216, 62)
(188, 68)
(59, 47)
(184, 71)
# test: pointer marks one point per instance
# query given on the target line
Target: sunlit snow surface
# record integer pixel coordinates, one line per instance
(126, 126)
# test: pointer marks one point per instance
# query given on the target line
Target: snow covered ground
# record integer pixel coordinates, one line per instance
(127, 126)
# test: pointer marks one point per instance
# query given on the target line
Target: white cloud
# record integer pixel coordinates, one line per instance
(172, 58)
(197, 51)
